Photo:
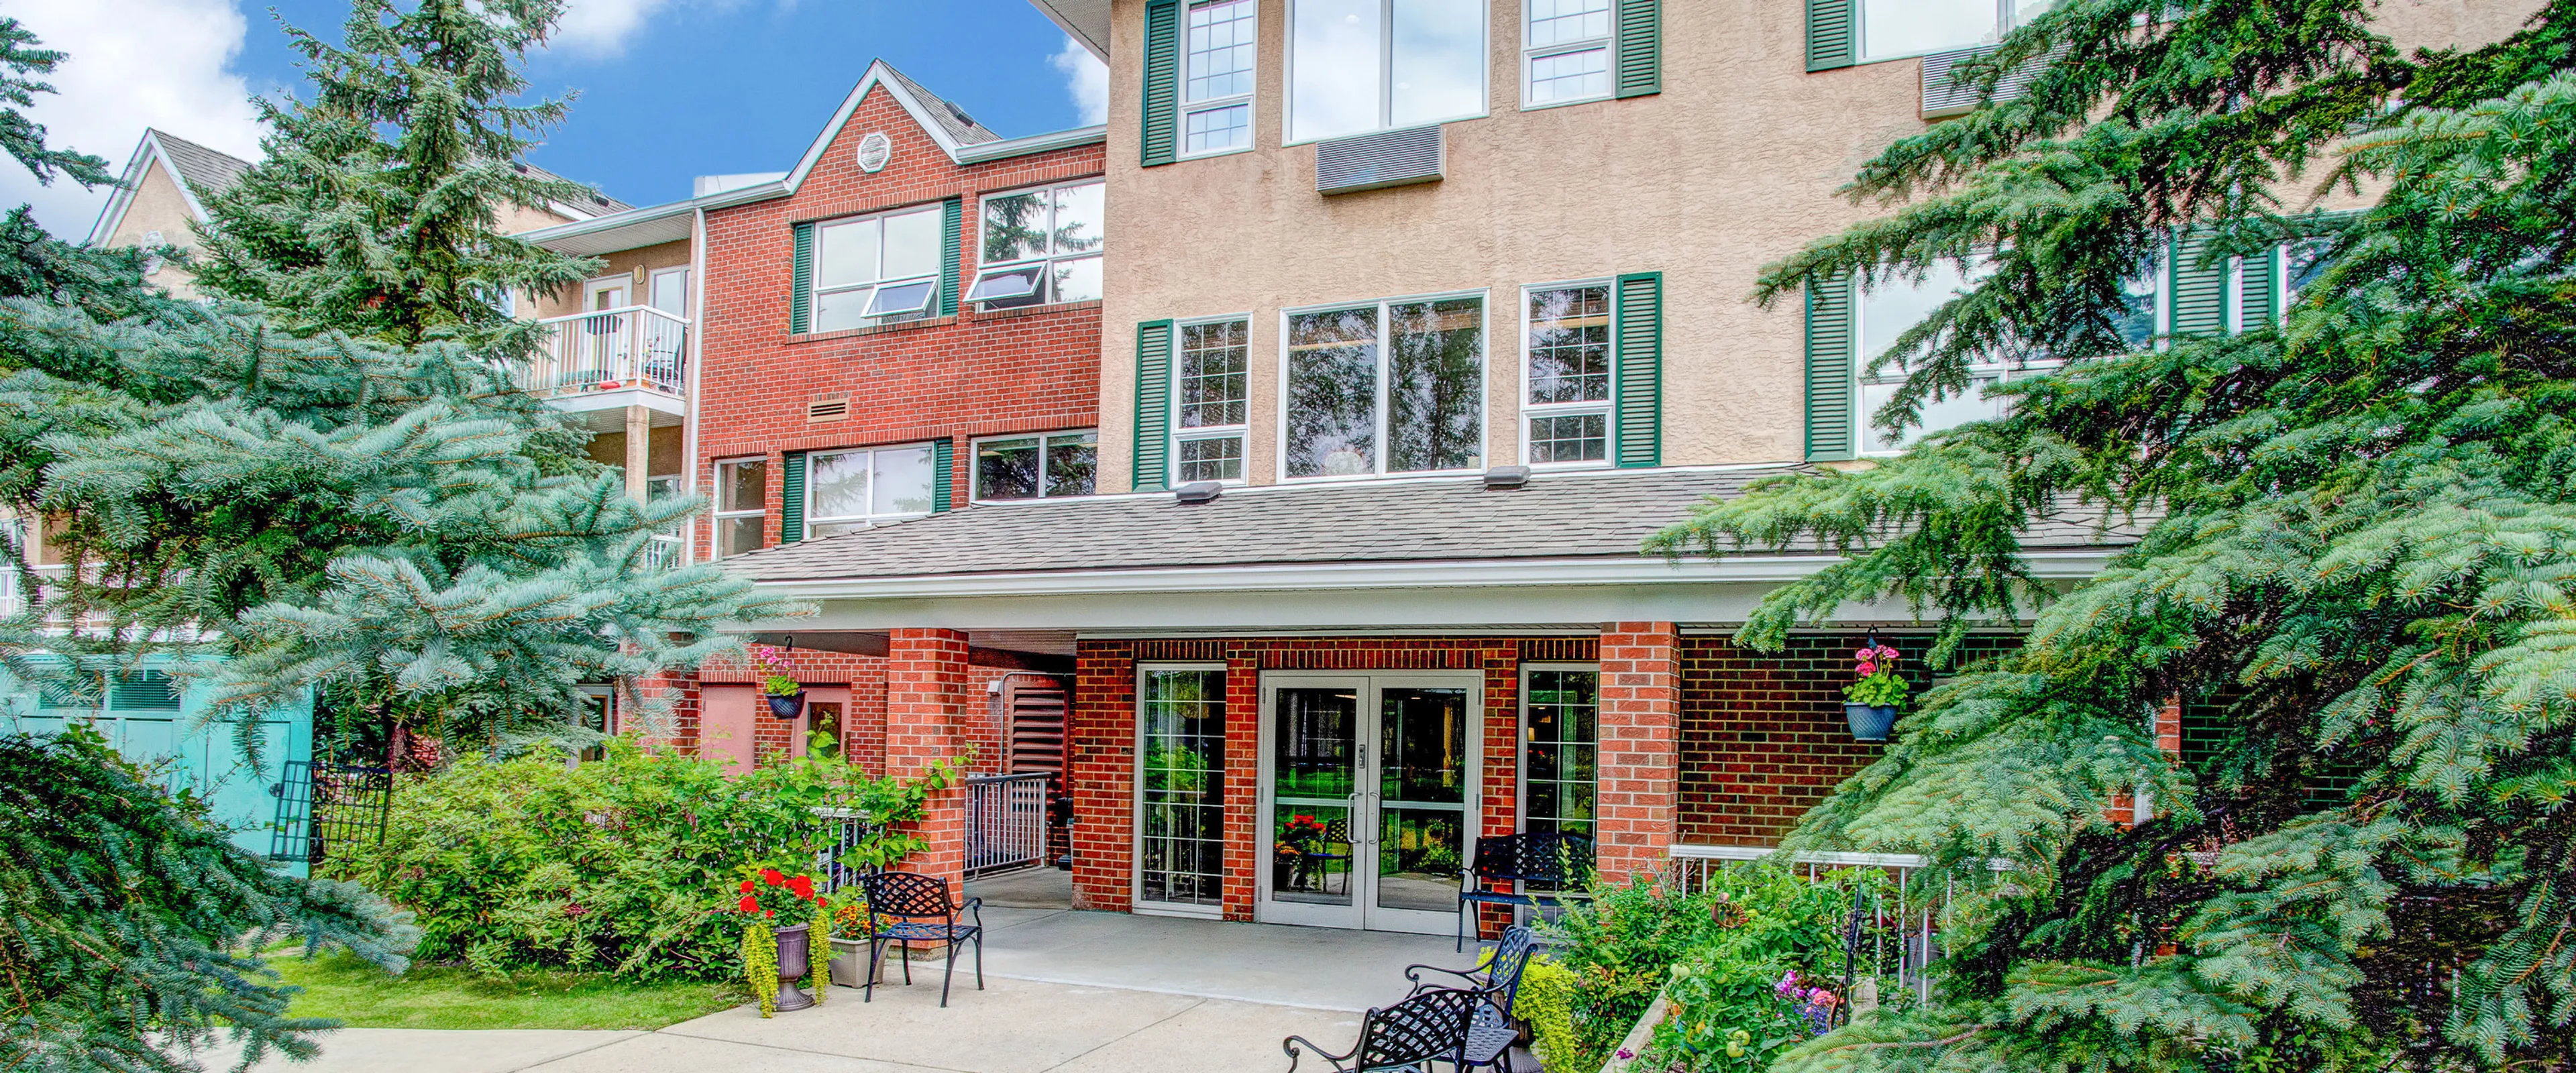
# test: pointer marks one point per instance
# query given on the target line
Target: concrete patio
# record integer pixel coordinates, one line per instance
(1066, 992)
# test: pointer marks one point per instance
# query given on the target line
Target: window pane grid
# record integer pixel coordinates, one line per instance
(1559, 713)
(1567, 392)
(1211, 393)
(1220, 50)
(1181, 787)
(1210, 129)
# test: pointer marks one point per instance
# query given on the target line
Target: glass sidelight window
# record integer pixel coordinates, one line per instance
(1393, 387)
(1180, 783)
(1559, 706)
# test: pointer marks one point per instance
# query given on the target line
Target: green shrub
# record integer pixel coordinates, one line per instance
(626, 863)
(1545, 1002)
(1619, 949)
(1769, 971)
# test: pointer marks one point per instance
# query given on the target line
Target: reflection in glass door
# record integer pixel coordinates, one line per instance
(1180, 800)
(1369, 799)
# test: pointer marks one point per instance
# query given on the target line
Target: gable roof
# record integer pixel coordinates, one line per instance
(200, 173)
(947, 124)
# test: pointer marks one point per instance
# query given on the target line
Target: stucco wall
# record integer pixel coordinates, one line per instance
(1732, 166)
(158, 205)
(620, 263)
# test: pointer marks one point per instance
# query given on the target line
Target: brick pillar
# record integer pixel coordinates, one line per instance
(925, 684)
(1640, 746)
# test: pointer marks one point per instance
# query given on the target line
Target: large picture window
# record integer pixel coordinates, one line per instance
(876, 268)
(1559, 706)
(1180, 799)
(848, 490)
(1894, 28)
(1393, 387)
(1052, 466)
(742, 505)
(1364, 65)
(1040, 246)
(1887, 311)
(1568, 375)
(1216, 77)
(1214, 391)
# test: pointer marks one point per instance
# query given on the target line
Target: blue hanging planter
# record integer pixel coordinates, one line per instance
(1870, 722)
(786, 705)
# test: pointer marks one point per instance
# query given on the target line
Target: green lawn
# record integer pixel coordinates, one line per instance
(341, 986)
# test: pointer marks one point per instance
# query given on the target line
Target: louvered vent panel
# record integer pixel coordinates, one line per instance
(1943, 98)
(1374, 161)
(1037, 725)
(827, 408)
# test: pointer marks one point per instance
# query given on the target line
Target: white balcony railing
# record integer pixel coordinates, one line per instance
(637, 347)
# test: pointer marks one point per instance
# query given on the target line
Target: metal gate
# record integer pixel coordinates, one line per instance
(320, 805)
(1006, 821)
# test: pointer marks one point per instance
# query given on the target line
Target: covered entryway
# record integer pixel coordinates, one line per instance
(1368, 797)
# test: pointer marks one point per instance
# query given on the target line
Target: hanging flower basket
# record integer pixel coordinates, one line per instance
(1870, 722)
(1871, 700)
(786, 705)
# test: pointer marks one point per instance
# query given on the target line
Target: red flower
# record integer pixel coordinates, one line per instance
(749, 904)
(746, 886)
(772, 876)
(803, 886)
(769, 912)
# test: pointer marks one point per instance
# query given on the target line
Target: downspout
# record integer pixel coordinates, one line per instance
(697, 368)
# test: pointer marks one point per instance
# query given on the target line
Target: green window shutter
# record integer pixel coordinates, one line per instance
(1829, 370)
(791, 499)
(1637, 373)
(800, 303)
(1832, 34)
(2258, 291)
(1162, 80)
(1153, 407)
(943, 482)
(952, 232)
(1640, 47)
(2197, 290)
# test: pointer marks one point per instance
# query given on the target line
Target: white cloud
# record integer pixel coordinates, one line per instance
(1086, 78)
(132, 64)
(601, 27)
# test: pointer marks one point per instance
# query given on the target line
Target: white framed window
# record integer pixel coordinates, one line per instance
(857, 488)
(1212, 400)
(1566, 370)
(1887, 311)
(1040, 246)
(1560, 727)
(1051, 465)
(1218, 46)
(1894, 29)
(742, 505)
(1394, 386)
(1357, 66)
(1565, 52)
(1180, 787)
(876, 269)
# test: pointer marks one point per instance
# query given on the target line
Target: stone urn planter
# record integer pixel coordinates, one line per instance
(792, 966)
(786, 705)
(1870, 722)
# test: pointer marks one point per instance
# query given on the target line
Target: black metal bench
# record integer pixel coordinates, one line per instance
(1558, 862)
(1498, 978)
(1411, 1036)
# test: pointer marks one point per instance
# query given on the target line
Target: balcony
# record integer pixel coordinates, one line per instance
(611, 359)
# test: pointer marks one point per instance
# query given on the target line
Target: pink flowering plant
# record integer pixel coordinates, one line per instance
(1875, 681)
(777, 671)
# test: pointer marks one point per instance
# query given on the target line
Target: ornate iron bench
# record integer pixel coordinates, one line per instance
(906, 907)
(1430, 1028)
(1499, 980)
(1557, 860)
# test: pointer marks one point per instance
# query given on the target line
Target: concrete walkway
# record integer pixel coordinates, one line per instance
(1066, 992)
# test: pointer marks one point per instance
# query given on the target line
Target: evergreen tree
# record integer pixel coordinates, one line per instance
(2357, 555)
(376, 210)
(22, 137)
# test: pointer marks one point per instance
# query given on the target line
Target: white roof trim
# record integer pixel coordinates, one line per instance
(876, 76)
(139, 164)
(1435, 574)
(1081, 21)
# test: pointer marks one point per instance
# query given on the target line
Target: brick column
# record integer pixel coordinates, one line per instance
(925, 683)
(1638, 763)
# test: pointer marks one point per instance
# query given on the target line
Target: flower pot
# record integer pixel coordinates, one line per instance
(792, 966)
(786, 705)
(1870, 722)
(850, 962)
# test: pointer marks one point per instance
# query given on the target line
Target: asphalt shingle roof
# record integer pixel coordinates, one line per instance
(961, 128)
(1554, 516)
(206, 171)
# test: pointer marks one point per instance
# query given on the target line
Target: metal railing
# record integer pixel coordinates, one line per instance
(1006, 821)
(665, 551)
(610, 350)
(323, 805)
(1892, 931)
(842, 832)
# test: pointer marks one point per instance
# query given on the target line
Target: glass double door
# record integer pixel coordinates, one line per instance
(1368, 799)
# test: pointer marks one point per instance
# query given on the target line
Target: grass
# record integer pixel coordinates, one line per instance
(339, 985)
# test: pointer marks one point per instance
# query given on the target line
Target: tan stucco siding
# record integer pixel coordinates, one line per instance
(159, 205)
(647, 259)
(1734, 165)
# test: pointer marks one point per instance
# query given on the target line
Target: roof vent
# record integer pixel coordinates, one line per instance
(1373, 161)
(874, 150)
(1506, 478)
(1197, 492)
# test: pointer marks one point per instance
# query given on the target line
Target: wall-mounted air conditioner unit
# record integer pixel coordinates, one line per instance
(1943, 98)
(1374, 161)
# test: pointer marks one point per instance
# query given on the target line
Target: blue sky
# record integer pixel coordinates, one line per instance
(669, 89)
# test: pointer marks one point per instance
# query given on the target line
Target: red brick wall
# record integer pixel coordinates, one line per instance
(1763, 733)
(925, 690)
(1637, 753)
(963, 376)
